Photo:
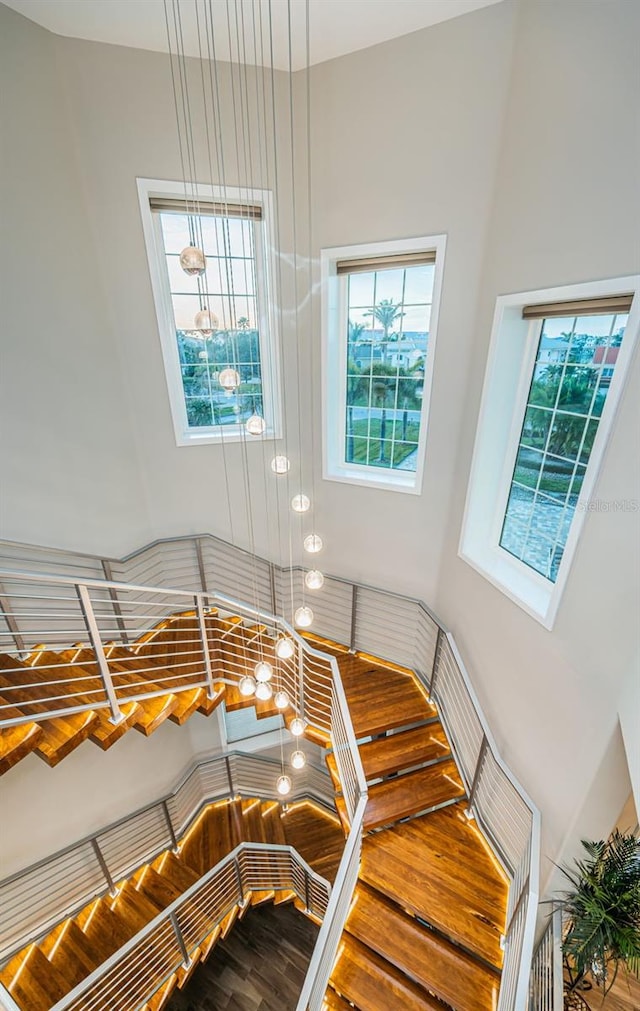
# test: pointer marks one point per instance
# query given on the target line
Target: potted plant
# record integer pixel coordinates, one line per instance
(601, 913)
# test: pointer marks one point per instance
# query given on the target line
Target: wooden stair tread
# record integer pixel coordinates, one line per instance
(316, 836)
(381, 699)
(439, 868)
(176, 871)
(106, 931)
(18, 741)
(157, 887)
(436, 964)
(38, 986)
(134, 907)
(373, 984)
(73, 954)
(397, 752)
(60, 736)
(411, 793)
(208, 840)
(333, 1002)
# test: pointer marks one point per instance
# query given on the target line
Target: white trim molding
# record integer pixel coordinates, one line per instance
(334, 344)
(510, 363)
(266, 307)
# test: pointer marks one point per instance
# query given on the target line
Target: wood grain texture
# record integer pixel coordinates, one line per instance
(260, 966)
(374, 984)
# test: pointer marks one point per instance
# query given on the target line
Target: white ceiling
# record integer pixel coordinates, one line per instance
(336, 26)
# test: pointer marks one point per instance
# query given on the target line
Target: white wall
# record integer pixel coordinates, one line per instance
(565, 209)
(69, 473)
(45, 809)
(510, 129)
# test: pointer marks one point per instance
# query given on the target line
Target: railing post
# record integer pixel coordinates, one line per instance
(96, 643)
(186, 961)
(239, 882)
(103, 867)
(556, 940)
(227, 763)
(201, 568)
(205, 645)
(354, 618)
(478, 771)
(434, 669)
(307, 905)
(117, 610)
(12, 624)
(272, 587)
(174, 839)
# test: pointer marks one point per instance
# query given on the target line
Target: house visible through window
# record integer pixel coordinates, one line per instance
(574, 365)
(214, 324)
(381, 349)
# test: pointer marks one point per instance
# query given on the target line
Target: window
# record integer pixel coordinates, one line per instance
(556, 368)
(379, 317)
(217, 338)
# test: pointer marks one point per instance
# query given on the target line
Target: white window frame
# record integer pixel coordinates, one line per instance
(334, 381)
(512, 352)
(265, 304)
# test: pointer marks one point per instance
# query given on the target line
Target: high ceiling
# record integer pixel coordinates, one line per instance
(336, 26)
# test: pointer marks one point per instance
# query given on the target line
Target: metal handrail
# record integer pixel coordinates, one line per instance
(28, 892)
(250, 874)
(402, 630)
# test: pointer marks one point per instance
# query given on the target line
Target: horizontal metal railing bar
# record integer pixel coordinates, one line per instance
(175, 907)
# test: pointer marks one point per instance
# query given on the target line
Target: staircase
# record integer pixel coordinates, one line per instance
(161, 661)
(429, 910)
(424, 928)
(44, 973)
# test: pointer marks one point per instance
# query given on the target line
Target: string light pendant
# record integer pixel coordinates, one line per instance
(285, 647)
(263, 671)
(283, 785)
(314, 580)
(303, 616)
(280, 465)
(281, 699)
(229, 379)
(297, 726)
(206, 322)
(300, 503)
(298, 759)
(256, 425)
(246, 686)
(264, 691)
(193, 261)
(313, 543)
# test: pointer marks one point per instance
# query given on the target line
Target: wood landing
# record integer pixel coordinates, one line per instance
(429, 909)
(42, 974)
(260, 966)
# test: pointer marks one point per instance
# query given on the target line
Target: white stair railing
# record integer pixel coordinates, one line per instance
(388, 625)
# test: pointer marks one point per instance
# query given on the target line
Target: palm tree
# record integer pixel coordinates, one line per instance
(386, 313)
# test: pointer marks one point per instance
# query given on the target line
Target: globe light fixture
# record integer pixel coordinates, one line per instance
(298, 759)
(284, 647)
(205, 321)
(297, 726)
(193, 261)
(281, 699)
(283, 786)
(263, 671)
(246, 686)
(280, 464)
(314, 579)
(264, 691)
(256, 425)
(313, 543)
(303, 617)
(229, 379)
(300, 503)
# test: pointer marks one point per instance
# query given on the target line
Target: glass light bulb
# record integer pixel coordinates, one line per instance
(297, 726)
(255, 425)
(264, 691)
(300, 503)
(283, 786)
(263, 671)
(205, 321)
(298, 759)
(229, 379)
(285, 647)
(313, 543)
(303, 617)
(281, 700)
(193, 261)
(314, 579)
(280, 464)
(246, 685)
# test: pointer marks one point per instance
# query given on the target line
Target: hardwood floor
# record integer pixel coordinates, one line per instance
(259, 967)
